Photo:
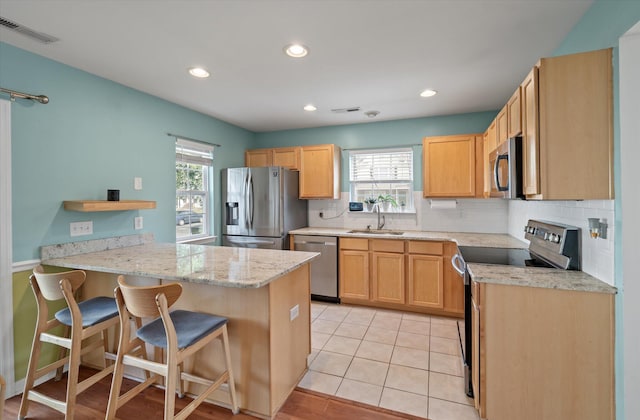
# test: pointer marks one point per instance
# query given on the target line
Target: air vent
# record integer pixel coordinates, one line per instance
(38, 36)
(344, 110)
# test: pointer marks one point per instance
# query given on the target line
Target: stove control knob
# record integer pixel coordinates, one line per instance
(558, 237)
(546, 236)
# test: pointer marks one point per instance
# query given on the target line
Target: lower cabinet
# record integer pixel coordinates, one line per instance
(354, 269)
(387, 275)
(399, 274)
(542, 353)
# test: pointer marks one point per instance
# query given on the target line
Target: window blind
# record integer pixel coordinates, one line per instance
(381, 166)
(194, 152)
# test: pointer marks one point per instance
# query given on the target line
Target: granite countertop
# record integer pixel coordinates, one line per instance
(547, 278)
(214, 265)
(492, 240)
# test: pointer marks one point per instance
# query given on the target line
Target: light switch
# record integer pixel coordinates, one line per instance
(137, 222)
(137, 183)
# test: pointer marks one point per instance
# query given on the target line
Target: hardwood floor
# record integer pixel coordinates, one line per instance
(91, 404)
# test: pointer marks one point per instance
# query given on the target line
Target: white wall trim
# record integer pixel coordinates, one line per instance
(6, 250)
(27, 265)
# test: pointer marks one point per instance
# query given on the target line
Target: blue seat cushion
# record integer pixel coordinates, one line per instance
(190, 327)
(94, 311)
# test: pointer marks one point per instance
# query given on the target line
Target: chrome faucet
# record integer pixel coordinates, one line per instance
(377, 208)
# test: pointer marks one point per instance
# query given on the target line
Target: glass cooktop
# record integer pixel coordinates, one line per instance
(501, 256)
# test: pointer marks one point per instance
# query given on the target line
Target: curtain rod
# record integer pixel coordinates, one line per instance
(395, 146)
(13, 94)
(178, 136)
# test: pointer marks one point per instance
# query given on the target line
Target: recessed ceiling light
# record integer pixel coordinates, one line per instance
(198, 72)
(428, 93)
(309, 107)
(296, 50)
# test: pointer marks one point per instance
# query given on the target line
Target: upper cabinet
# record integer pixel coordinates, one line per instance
(502, 133)
(489, 144)
(452, 166)
(567, 118)
(514, 114)
(287, 157)
(320, 171)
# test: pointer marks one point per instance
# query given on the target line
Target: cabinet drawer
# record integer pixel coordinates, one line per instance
(425, 247)
(354, 243)
(387, 245)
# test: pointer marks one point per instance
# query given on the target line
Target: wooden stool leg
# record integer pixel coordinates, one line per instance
(170, 390)
(227, 357)
(72, 374)
(64, 352)
(31, 371)
(180, 381)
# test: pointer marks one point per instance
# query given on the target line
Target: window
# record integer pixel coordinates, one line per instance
(194, 175)
(383, 175)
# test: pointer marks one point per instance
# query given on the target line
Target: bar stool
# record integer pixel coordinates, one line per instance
(81, 320)
(179, 333)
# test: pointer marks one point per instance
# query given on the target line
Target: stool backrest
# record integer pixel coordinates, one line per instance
(49, 283)
(141, 300)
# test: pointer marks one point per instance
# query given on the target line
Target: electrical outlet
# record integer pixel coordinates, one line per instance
(294, 312)
(137, 183)
(137, 222)
(81, 228)
(321, 215)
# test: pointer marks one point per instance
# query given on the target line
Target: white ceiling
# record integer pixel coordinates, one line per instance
(375, 54)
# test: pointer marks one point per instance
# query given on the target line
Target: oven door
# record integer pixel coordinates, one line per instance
(464, 330)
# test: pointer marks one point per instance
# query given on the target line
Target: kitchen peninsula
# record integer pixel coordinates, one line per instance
(264, 294)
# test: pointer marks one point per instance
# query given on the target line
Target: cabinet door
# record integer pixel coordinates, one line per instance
(287, 157)
(501, 126)
(449, 166)
(257, 157)
(354, 274)
(453, 283)
(489, 142)
(514, 115)
(388, 277)
(530, 135)
(320, 171)
(425, 281)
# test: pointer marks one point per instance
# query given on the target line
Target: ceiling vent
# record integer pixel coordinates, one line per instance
(345, 110)
(38, 36)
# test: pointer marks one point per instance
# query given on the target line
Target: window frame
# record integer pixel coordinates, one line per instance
(195, 155)
(394, 178)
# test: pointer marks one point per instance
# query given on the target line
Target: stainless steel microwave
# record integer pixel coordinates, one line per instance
(505, 164)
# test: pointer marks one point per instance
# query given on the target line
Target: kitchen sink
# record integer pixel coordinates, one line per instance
(377, 231)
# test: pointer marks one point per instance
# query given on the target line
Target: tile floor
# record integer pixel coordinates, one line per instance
(401, 361)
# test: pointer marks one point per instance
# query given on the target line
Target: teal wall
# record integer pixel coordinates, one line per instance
(380, 134)
(96, 135)
(601, 27)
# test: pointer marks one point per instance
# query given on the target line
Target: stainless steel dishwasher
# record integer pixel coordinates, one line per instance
(324, 270)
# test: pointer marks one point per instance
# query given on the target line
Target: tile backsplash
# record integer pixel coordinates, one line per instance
(469, 215)
(598, 253)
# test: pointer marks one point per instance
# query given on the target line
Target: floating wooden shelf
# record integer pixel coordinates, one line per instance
(103, 205)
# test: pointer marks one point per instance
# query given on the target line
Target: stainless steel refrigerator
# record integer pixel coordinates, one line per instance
(260, 207)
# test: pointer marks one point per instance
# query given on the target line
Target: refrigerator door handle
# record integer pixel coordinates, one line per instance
(246, 200)
(250, 201)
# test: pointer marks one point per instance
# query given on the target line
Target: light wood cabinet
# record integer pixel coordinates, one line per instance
(502, 124)
(287, 157)
(530, 131)
(320, 171)
(489, 141)
(354, 269)
(405, 275)
(453, 284)
(451, 166)
(387, 276)
(426, 274)
(568, 128)
(514, 114)
(535, 346)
